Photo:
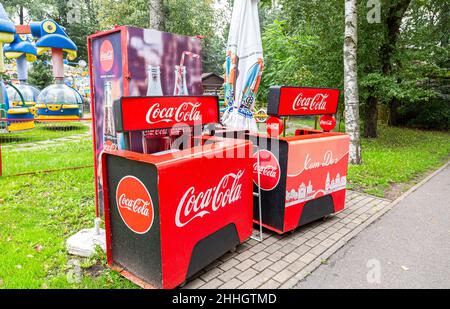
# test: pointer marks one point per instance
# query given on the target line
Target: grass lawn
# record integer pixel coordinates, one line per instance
(398, 156)
(39, 212)
(44, 131)
(63, 154)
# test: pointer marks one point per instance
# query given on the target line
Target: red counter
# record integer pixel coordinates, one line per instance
(302, 177)
(302, 180)
(169, 215)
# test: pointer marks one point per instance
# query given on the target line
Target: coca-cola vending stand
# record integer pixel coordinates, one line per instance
(302, 177)
(187, 201)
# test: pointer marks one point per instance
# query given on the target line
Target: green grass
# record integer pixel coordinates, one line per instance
(43, 131)
(43, 210)
(63, 154)
(398, 155)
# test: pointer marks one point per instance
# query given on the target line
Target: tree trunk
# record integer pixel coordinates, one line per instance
(371, 117)
(394, 19)
(21, 15)
(393, 119)
(351, 82)
(156, 14)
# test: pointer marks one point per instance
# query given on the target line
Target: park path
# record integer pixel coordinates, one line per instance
(282, 261)
(408, 248)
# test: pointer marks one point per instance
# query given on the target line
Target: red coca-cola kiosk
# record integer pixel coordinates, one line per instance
(302, 177)
(173, 210)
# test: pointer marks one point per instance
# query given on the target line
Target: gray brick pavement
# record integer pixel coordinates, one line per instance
(280, 261)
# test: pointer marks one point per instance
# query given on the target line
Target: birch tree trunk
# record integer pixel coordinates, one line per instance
(156, 14)
(351, 82)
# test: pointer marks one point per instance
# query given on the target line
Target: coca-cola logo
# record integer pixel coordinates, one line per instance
(315, 103)
(197, 204)
(185, 112)
(274, 126)
(327, 122)
(106, 55)
(134, 204)
(268, 170)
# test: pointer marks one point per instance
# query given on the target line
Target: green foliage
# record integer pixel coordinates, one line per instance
(59, 10)
(302, 41)
(302, 45)
(421, 51)
(126, 12)
(40, 75)
(184, 17)
(180, 17)
(284, 58)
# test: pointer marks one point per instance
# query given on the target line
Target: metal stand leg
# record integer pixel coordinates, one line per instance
(258, 194)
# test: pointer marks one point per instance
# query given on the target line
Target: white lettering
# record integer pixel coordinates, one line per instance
(193, 205)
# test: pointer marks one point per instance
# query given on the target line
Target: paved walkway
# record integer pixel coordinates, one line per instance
(408, 248)
(282, 261)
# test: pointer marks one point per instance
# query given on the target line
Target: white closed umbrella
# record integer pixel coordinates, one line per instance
(243, 66)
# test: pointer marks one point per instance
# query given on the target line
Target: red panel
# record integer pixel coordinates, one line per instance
(146, 113)
(316, 167)
(198, 197)
(295, 101)
(92, 90)
(23, 29)
(125, 72)
(109, 257)
(94, 134)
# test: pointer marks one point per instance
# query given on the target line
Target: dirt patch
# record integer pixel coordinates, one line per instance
(397, 189)
(95, 270)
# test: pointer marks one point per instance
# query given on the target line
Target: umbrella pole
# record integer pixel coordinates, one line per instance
(2, 70)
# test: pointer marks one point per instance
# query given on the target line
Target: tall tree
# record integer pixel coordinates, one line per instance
(156, 14)
(381, 81)
(351, 81)
(394, 20)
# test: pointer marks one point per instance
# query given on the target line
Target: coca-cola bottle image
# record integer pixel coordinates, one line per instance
(151, 141)
(109, 129)
(180, 87)
(154, 81)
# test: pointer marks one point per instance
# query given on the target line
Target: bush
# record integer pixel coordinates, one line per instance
(434, 114)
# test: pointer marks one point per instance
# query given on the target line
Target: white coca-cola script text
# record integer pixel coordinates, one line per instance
(267, 170)
(198, 204)
(139, 206)
(315, 103)
(185, 112)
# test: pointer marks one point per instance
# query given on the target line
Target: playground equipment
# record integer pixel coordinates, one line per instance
(57, 101)
(23, 95)
(22, 98)
(7, 32)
